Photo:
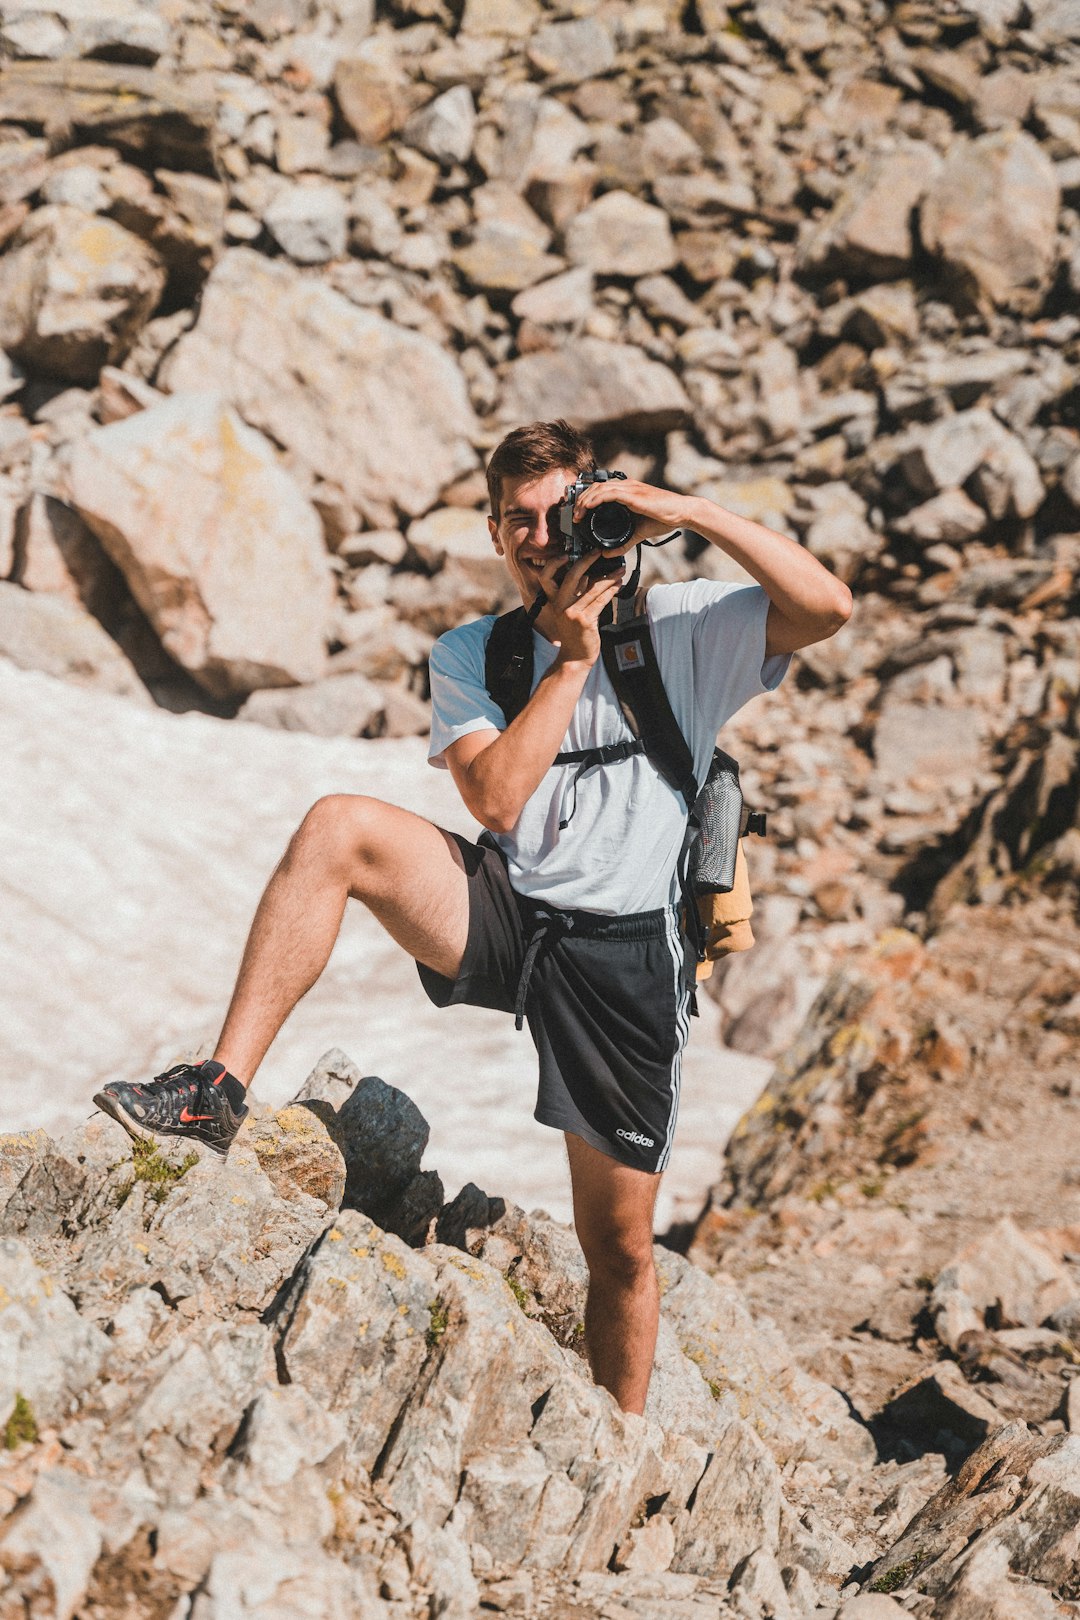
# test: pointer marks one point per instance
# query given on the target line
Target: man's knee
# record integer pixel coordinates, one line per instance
(620, 1256)
(345, 832)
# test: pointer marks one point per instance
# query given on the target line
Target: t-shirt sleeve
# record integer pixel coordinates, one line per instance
(460, 702)
(730, 664)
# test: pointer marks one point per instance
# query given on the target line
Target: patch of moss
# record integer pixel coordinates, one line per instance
(872, 1188)
(894, 1578)
(716, 1390)
(440, 1321)
(520, 1294)
(157, 1174)
(21, 1427)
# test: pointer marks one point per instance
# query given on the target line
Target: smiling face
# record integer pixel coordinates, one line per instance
(526, 534)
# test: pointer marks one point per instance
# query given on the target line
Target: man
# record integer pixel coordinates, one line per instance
(569, 899)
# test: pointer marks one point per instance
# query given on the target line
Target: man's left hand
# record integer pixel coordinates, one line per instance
(657, 511)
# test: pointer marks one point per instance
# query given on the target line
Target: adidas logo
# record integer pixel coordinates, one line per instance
(637, 1138)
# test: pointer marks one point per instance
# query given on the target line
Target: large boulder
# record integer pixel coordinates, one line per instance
(594, 384)
(379, 411)
(74, 291)
(221, 550)
(991, 214)
(868, 231)
(59, 637)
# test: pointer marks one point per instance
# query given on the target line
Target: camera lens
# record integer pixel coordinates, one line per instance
(611, 524)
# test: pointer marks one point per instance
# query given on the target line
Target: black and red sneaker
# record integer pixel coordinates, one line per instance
(200, 1100)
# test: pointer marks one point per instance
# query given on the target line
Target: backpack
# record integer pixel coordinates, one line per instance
(712, 868)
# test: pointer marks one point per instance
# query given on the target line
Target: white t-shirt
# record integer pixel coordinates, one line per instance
(619, 852)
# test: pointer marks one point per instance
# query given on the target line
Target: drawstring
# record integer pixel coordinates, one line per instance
(544, 920)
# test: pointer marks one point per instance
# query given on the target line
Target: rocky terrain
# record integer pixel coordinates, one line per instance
(273, 279)
(297, 1383)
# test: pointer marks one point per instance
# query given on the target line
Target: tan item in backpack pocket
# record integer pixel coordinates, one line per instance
(725, 918)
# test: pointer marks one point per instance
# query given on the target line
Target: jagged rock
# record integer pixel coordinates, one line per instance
(952, 516)
(984, 1589)
(60, 638)
(869, 231)
(942, 1401)
(51, 1544)
(140, 110)
(219, 547)
(304, 365)
(371, 98)
(461, 534)
(295, 1147)
(569, 52)
(594, 384)
(736, 1506)
(309, 222)
(48, 1354)
(621, 235)
(1018, 1491)
(444, 128)
(218, 1235)
(266, 1581)
(74, 291)
(991, 215)
(346, 705)
(1018, 1277)
(357, 1274)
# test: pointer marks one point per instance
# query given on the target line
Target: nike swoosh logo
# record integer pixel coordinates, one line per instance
(188, 1119)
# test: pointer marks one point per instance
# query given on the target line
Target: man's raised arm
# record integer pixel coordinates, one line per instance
(807, 603)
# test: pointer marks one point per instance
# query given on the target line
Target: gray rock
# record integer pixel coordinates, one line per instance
(309, 368)
(74, 291)
(569, 52)
(50, 1545)
(991, 215)
(48, 1354)
(951, 516)
(736, 1507)
(265, 1580)
(947, 453)
(444, 128)
(60, 638)
(358, 1274)
(926, 741)
(1019, 1276)
(344, 705)
(309, 222)
(592, 384)
(869, 228)
(221, 550)
(621, 235)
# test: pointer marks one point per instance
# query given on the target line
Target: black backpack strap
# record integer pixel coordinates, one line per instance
(626, 646)
(508, 662)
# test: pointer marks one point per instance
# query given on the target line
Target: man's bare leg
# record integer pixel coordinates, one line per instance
(407, 872)
(613, 1216)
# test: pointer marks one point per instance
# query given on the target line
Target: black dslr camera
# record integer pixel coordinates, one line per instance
(603, 528)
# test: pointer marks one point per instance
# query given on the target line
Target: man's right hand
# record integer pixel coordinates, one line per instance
(575, 603)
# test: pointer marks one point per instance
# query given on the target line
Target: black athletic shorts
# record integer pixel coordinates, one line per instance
(606, 1000)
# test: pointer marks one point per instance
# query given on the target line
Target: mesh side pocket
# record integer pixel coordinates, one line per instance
(719, 815)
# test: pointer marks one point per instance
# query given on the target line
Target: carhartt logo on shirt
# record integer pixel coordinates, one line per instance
(628, 655)
(637, 1138)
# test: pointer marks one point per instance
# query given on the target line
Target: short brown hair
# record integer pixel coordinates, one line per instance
(532, 451)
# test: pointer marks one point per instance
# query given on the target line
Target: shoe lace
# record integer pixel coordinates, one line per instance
(173, 1079)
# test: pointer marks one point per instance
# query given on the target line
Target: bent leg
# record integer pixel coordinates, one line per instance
(613, 1217)
(408, 872)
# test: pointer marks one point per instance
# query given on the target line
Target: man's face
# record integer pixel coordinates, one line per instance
(527, 533)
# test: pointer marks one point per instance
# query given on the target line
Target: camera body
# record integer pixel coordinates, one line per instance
(602, 529)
